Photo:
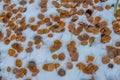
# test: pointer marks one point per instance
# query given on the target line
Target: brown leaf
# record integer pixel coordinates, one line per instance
(112, 52)
(61, 72)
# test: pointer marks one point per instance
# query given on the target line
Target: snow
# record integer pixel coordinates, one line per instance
(43, 55)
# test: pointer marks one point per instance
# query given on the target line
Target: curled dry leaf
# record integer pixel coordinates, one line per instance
(111, 51)
(74, 56)
(73, 43)
(32, 66)
(81, 66)
(71, 27)
(116, 28)
(117, 44)
(32, 19)
(107, 7)
(117, 60)
(99, 8)
(78, 30)
(80, 12)
(105, 59)
(41, 16)
(103, 24)
(34, 74)
(8, 69)
(31, 1)
(8, 32)
(57, 28)
(90, 69)
(18, 62)
(61, 72)
(23, 70)
(83, 24)
(45, 67)
(105, 38)
(29, 50)
(20, 75)
(34, 27)
(49, 67)
(85, 5)
(69, 65)
(89, 59)
(6, 41)
(15, 11)
(72, 11)
(61, 23)
(83, 37)
(11, 52)
(54, 56)
(89, 2)
(49, 23)
(56, 46)
(18, 47)
(88, 12)
(15, 70)
(7, 1)
(30, 43)
(43, 31)
(47, 19)
(22, 9)
(43, 5)
(90, 19)
(57, 65)
(97, 18)
(61, 56)
(38, 46)
(23, 2)
(64, 14)
(50, 35)
(118, 51)
(37, 39)
(96, 1)
(56, 4)
(66, 5)
(23, 39)
(117, 14)
(72, 50)
(84, 43)
(105, 30)
(74, 18)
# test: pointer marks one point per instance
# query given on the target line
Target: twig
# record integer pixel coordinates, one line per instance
(115, 9)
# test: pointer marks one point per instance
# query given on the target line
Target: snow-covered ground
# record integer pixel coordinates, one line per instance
(43, 55)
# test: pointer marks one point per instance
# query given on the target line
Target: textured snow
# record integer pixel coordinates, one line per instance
(43, 55)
